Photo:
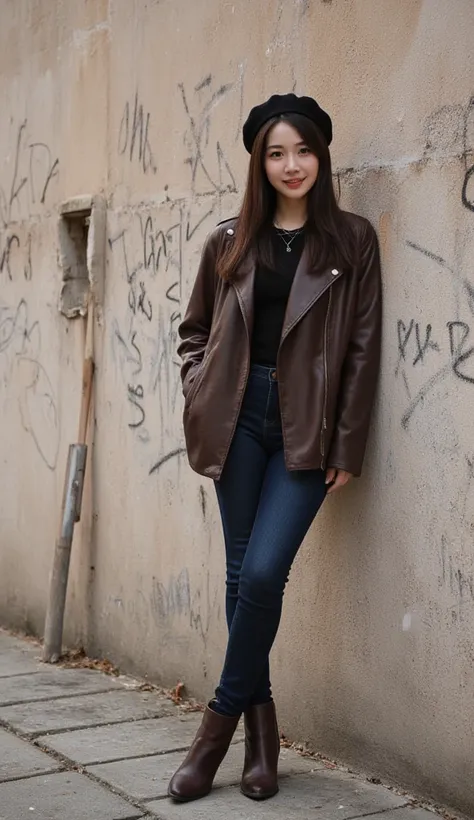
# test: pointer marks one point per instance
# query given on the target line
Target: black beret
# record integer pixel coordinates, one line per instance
(285, 104)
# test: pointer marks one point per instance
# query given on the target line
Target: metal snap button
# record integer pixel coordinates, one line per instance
(334, 272)
(230, 231)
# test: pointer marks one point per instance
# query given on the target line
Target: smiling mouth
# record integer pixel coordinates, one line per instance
(293, 183)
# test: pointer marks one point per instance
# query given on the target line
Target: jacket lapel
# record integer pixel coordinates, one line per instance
(306, 289)
(244, 285)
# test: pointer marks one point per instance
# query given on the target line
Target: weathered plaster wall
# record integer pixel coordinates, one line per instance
(144, 103)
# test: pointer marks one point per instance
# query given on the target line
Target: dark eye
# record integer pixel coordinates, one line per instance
(305, 150)
(275, 154)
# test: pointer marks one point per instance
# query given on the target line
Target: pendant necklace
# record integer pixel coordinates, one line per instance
(283, 233)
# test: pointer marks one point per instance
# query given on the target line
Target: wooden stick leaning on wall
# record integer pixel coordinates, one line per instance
(71, 505)
(87, 374)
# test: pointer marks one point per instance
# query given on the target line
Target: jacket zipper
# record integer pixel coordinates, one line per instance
(325, 354)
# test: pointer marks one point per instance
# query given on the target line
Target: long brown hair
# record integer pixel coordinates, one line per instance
(328, 234)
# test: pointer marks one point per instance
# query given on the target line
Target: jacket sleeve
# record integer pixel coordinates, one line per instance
(195, 328)
(361, 364)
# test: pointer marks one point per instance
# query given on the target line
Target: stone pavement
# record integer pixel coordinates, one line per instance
(76, 744)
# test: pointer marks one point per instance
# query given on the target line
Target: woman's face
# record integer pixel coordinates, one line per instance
(290, 165)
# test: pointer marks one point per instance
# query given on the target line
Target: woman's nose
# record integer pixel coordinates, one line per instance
(291, 163)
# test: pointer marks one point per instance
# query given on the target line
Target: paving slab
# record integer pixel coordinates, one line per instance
(52, 683)
(84, 710)
(320, 795)
(65, 796)
(137, 753)
(19, 759)
(18, 659)
(125, 740)
(146, 778)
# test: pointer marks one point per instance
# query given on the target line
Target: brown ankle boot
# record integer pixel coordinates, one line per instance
(262, 747)
(195, 775)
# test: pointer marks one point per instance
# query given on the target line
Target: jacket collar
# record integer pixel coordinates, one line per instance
(306, 289)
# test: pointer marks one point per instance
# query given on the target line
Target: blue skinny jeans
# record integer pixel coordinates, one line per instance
(266, 512)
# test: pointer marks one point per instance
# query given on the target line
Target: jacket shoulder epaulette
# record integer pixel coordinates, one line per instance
(229, 219)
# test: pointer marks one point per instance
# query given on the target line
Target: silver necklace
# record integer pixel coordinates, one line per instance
(293, 234)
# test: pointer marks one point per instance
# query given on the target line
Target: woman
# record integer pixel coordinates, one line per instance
(280, 346)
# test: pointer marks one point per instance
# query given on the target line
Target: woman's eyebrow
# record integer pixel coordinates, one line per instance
(297, 144)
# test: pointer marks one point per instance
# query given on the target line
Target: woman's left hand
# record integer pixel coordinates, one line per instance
(337, 479)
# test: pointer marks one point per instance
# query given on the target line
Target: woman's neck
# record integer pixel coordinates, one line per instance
(290, 213)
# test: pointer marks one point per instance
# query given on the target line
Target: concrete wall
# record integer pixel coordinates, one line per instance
(144, 103)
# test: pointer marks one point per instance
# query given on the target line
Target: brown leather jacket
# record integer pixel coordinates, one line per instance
(327, 364)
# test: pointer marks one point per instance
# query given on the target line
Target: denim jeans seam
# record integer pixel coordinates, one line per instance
(266, 423)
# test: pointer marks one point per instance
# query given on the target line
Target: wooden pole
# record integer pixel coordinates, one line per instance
(70, 507)
(87, 375)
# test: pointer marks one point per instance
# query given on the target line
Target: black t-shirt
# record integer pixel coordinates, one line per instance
(271, 292)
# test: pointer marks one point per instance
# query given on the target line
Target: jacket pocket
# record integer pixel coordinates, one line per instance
(197, 382)
(196, 378)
